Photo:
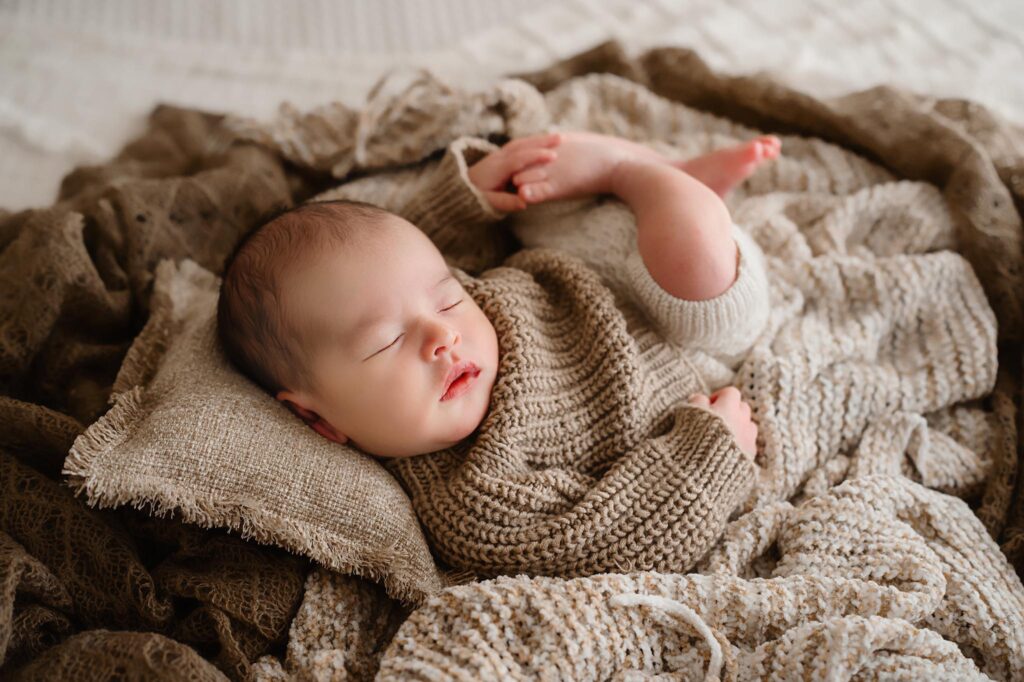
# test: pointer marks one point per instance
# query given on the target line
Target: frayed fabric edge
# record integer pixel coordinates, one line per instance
(326, 549)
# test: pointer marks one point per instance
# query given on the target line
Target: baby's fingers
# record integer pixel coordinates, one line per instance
(700, 399)
(522, 159)
(536, 141)
(505, 201)
(535, 174)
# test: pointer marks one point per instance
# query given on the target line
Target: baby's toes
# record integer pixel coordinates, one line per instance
(530, 175)
(769, 146)
(536, 191)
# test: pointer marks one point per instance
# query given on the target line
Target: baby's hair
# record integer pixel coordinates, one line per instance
(256, 334)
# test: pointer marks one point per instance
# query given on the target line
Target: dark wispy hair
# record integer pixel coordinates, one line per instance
(253, 327)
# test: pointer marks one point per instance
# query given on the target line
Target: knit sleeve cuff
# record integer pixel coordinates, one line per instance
(725, 326)
(456, 215)
(719, 475)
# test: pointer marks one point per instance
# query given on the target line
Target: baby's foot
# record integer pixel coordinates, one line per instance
(723, 169)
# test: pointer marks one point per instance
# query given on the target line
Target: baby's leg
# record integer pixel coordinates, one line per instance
(720, 170)
(723, 169)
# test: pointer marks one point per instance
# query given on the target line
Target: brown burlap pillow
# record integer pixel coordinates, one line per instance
(188, 433)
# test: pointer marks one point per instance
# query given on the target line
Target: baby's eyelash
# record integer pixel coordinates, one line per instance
(388, 346)
(403, 333)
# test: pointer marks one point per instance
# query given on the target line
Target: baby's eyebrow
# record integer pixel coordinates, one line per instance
(371, 320)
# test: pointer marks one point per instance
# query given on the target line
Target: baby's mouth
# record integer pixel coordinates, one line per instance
(459, 379)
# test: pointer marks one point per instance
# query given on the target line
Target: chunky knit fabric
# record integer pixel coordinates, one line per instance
(879, 579)
(588, 460)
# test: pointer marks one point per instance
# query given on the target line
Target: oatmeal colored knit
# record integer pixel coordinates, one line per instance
(880, 578)
(589, 458)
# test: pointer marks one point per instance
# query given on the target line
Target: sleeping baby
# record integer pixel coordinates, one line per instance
(542, 394)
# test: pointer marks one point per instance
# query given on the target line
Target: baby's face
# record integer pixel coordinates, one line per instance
(394, 323)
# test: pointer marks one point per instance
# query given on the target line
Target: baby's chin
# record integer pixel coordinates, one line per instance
(473, 408)
(453, 434)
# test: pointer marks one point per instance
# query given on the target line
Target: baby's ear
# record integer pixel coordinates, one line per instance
(291, 401)
(310, 417)
(328, 431)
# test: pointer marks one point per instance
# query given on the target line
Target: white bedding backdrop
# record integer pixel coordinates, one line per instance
(78, 77)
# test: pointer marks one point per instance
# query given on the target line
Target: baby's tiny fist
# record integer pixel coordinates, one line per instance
(493, 175)
(699, 399)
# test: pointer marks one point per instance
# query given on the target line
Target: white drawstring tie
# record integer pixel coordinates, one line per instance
(684, 613)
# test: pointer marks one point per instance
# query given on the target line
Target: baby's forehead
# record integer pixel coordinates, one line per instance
(342, 284)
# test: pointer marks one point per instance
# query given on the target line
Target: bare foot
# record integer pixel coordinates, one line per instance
(723, 169)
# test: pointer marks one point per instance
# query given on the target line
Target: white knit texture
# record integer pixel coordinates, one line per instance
(725, 326)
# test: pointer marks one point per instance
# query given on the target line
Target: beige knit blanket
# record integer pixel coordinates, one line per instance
(893, 249)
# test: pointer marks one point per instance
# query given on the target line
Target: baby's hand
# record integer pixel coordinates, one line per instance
(585, 165)
(727, 403)
(492, 173)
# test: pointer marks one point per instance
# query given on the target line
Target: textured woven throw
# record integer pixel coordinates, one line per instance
(878, 579)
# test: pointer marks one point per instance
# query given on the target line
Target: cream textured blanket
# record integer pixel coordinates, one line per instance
(873, 389)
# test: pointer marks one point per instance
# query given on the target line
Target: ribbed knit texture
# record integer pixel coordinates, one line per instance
(588, 459)
(879, 579)
(725, 326)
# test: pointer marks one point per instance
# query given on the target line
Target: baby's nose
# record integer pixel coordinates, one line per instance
(446, 339)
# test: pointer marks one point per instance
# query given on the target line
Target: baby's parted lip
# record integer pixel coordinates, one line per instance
(457, 370)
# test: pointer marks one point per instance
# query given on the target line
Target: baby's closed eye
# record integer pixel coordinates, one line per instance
(396, 339)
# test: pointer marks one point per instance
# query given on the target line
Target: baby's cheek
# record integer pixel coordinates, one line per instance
(488, 337)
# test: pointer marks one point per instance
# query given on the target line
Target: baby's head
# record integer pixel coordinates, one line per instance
(350, 315)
